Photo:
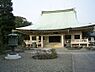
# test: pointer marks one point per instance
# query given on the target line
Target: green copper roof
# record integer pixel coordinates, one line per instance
(52, 20)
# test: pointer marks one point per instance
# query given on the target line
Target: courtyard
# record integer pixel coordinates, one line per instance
(67, 61)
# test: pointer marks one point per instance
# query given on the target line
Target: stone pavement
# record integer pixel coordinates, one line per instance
(67, 61)
(84, 62)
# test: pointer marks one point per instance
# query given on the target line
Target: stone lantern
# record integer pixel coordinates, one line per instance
(12, 43)
(92, 36)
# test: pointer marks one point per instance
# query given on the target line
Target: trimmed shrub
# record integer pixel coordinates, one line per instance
(46, 55)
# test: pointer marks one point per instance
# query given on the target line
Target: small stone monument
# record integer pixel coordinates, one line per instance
(12, 43)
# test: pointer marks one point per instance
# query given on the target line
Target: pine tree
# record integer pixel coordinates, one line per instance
(6, 21)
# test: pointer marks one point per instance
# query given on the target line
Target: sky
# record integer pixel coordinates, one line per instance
(31, 9)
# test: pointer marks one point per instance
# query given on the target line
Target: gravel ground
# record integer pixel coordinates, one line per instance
(67, 61)
(27, 64)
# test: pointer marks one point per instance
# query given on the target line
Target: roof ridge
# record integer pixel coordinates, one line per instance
(56, 11)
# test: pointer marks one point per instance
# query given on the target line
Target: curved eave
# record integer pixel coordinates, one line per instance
(30, 28)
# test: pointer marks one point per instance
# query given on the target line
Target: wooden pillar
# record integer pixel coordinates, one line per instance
(87, 43)
(72, 37)
(80, 39)
(80, 36)
(37, 40)
(62, 40)
(30, 40)
(42, 45)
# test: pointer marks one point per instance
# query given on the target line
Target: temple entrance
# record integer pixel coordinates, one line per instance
(54, 39)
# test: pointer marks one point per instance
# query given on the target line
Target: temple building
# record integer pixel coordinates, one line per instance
(58, 29)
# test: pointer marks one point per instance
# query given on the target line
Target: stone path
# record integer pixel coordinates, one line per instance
(84, 62)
